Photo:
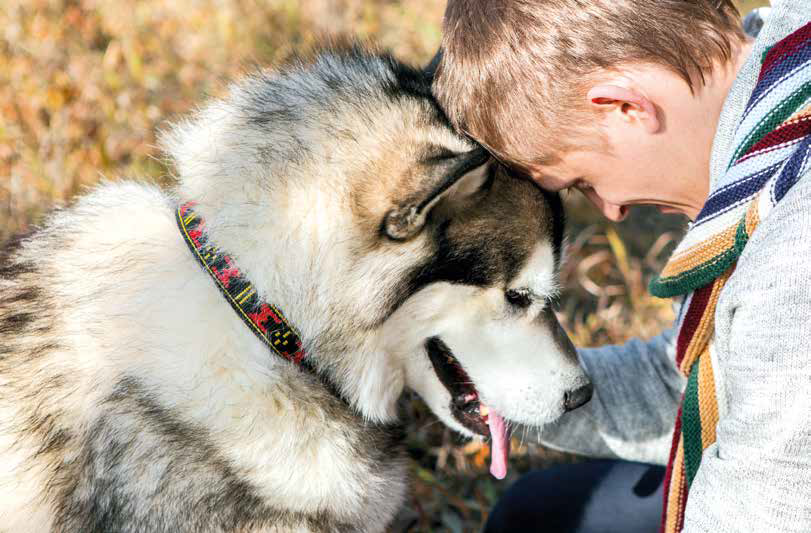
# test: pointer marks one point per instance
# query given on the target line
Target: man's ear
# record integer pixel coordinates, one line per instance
(628, 103)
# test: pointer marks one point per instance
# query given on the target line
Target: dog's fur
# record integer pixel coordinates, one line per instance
(132, 397)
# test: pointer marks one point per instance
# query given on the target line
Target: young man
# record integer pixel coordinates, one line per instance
(667, 102)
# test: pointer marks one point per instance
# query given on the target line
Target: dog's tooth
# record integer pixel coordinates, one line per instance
(483, 410)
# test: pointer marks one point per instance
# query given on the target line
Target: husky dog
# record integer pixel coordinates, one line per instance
(142, 383)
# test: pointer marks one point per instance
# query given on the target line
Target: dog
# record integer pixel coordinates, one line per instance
(229, 355)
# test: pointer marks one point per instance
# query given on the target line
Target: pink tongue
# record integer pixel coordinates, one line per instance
(500, 444)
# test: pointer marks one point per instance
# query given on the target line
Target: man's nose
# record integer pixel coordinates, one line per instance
(613, 212)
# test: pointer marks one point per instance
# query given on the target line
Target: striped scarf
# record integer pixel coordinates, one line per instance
(772, 148)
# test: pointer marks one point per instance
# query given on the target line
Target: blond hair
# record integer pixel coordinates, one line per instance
(513, 73)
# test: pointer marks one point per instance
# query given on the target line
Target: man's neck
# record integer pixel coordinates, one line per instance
(707, 108)
(725, 75)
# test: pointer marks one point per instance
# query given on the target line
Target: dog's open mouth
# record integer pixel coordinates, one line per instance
(466, 406)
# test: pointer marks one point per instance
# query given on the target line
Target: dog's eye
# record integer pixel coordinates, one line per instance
(520, 298)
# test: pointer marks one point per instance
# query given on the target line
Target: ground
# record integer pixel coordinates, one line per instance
(86, 84)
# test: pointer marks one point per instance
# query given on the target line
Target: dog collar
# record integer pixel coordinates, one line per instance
(261, 317)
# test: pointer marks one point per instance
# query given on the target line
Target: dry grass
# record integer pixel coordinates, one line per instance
(84, 85)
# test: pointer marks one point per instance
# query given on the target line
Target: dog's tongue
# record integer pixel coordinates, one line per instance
(500, 444)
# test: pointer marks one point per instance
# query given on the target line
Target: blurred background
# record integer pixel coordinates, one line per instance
(85, 84)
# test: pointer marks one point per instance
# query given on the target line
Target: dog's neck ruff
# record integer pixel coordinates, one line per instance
(261, 317)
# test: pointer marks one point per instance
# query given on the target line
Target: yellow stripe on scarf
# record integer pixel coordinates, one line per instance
(707, 400)
(676, 492)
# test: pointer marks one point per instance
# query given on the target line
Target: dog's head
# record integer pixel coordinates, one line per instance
(401, 251)
(477, 332)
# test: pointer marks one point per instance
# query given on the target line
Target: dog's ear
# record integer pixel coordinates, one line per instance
(445, 175)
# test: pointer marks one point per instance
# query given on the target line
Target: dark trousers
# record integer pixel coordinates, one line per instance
(592, 497)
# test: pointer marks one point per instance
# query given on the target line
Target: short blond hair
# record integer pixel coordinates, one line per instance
(513, 73)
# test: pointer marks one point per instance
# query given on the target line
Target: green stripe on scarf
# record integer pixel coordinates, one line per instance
(691, 427)
(693, 279)
(774, 118)
(703, 274)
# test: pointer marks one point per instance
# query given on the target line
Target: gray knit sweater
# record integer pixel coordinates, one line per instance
(757, 475)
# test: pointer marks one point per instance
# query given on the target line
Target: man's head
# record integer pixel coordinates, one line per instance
(619, 98)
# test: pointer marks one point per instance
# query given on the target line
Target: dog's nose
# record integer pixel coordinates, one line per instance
(575, 398)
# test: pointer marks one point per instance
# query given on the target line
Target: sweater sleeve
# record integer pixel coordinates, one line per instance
(756, 476)
(637, 390)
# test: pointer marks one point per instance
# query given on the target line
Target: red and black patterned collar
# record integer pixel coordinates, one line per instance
(265, 320)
